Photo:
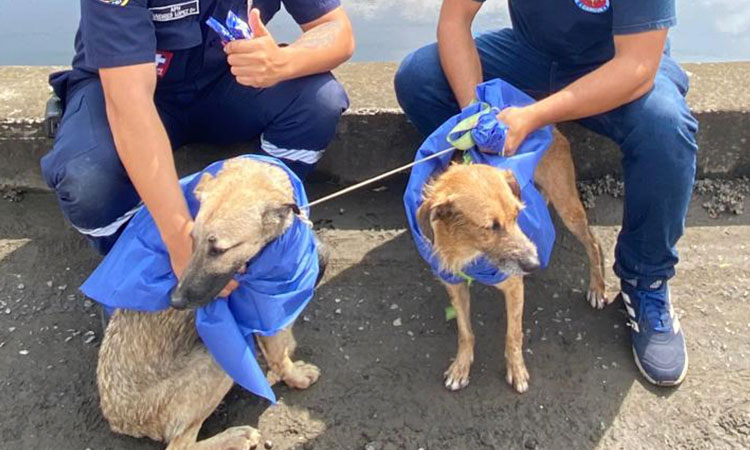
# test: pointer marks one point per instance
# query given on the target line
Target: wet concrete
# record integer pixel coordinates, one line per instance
(381, 386)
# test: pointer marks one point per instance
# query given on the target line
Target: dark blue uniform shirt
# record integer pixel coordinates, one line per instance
(581, 31)
(173, 33)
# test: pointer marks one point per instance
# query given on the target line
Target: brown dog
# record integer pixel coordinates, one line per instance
(155, 377)
(470, 211)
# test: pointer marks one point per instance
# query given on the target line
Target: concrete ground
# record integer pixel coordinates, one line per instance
(381, 386)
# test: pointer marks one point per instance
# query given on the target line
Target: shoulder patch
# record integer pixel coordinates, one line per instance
(593, 6)
(116, 2)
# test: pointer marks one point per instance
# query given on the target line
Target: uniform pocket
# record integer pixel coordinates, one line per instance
(74, 138)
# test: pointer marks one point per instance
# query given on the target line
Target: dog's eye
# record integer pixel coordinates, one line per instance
(495, 225)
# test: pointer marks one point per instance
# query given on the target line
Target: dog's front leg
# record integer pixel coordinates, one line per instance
(457, 375)
(516, 373)
(278, 350)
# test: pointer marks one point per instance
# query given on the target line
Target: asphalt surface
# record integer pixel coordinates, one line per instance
(381, 387)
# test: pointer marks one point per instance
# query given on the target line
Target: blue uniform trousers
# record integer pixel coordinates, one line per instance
(295, 119)
(656, 134)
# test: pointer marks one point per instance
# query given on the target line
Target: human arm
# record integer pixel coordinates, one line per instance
(326, 42)
(626, 77)
(458, 52)
(146, 153)
(144, 150)
(120, 44)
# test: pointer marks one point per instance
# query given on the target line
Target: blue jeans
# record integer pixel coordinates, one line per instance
(656, 134)
(296, 120)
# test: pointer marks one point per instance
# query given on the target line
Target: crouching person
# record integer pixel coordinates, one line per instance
(605, 64)
(150, 76)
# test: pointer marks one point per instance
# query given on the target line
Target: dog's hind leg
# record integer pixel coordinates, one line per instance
(516, 374)
(556, 177)
(195, 392)
(235, 438)
(278, 350)
(156, 379)
(457, 375)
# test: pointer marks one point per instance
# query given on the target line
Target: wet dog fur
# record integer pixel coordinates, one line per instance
(155, 377)
(471, 211)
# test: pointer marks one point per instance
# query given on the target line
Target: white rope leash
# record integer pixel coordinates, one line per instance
(374, 179)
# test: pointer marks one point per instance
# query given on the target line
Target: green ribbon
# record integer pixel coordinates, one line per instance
(469, 280)
(460, 136)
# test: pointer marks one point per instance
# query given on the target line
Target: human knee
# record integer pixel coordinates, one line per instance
(86, 192)
(414, 73)
(327, 100)
(663, 135)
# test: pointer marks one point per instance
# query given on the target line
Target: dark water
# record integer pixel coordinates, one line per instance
(708, 30)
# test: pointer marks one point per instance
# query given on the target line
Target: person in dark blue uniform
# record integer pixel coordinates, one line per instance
(605, 64)
(149, 76)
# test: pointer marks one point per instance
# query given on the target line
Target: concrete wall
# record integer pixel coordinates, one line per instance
(374, 135)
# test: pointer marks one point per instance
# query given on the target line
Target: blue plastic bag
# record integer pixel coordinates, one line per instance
(279, 283)
(534, 219)
(233, 28)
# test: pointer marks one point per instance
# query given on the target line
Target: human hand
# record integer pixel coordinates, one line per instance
(520, 122)
(258, 62)
(180, 248)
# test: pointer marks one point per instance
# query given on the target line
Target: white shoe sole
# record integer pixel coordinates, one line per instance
(676, 382)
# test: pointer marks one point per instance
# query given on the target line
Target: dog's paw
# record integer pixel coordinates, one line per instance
(597, 298)
(457, 375)
(273, 378)
(302, 376)
(241, 438)
(517, 376)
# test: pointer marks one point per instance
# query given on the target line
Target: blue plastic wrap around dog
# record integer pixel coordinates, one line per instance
(534, 218)
(279, 283)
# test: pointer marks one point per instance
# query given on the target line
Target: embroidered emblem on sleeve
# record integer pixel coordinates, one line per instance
(116, 2)
(593, 6)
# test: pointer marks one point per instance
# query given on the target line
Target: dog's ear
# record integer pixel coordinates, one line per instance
(429, 212)
(203, 184)
(423, 219)
(275, 217)
(513, 184)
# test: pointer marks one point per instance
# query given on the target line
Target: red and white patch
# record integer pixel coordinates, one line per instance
(163, 60)
(593, 6)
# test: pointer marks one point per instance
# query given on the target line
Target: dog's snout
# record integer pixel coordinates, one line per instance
(529, 264)
(177, 300)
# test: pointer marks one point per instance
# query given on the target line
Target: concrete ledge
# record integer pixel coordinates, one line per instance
(374, 134)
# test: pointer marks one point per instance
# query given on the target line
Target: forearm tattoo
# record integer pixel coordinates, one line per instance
(321, 36)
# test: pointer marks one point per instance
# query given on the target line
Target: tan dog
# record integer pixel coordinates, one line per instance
(155, 377)
(470, 211)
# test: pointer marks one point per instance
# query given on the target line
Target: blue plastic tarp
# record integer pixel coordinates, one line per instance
(534, 218)
(278, 284)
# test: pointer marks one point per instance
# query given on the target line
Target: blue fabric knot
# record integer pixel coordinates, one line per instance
(278, 284)
(534, 218)
(489, 133)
